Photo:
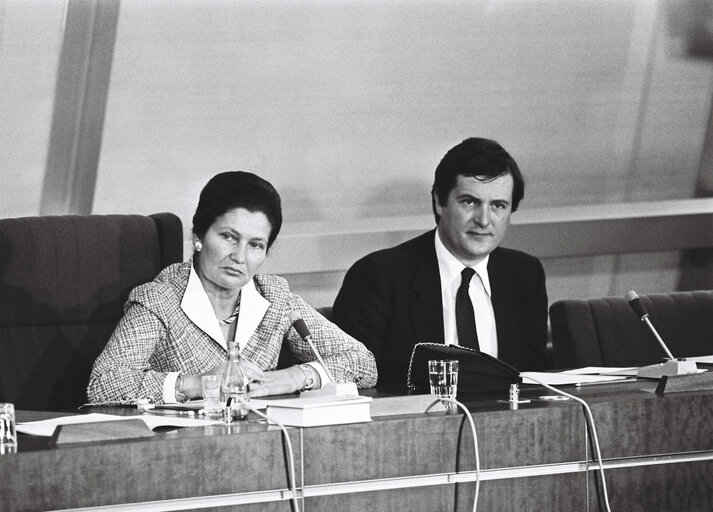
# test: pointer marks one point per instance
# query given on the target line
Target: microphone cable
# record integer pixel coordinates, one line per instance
(475, 442)
(291, 455)
(590, 421)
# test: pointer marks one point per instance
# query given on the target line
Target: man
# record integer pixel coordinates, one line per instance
(422, 290)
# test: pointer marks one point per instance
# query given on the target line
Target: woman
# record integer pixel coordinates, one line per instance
(174, 329)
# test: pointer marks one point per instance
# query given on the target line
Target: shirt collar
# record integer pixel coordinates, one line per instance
(450, 267)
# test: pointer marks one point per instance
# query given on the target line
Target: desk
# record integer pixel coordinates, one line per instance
(658, 452)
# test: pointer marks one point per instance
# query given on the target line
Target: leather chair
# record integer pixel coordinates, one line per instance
(63, 284)
(606, 332)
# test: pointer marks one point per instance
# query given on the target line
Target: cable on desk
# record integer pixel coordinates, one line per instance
(590, 420)
(292, 483)
(475, 442)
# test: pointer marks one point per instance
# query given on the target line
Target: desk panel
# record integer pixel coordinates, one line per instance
(685, 487)
(203, 461)
(563, 493)
(658, 453)
(422, 444)
(636, 422)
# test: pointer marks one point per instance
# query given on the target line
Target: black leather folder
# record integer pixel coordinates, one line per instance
(478, 372)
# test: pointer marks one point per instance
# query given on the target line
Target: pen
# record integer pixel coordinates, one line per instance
(169, 412)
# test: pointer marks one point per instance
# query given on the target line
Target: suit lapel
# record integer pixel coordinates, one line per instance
(252, 310)
(501, 287)
(197, 307)
(426, 306)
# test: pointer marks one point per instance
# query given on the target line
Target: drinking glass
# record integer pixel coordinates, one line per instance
(8, 434)
(443, 377)
(212, 406)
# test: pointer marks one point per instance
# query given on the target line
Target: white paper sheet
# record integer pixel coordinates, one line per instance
(560, 379)
(701, 359)
(603, 370)
(46, 427)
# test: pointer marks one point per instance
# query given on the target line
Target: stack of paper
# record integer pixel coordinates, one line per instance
(578, 376)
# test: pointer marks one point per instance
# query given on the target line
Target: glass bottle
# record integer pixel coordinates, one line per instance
(234, 387)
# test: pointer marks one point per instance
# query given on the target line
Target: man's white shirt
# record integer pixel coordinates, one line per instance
(450, 270)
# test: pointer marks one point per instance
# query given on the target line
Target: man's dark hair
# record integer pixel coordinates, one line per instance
(483, 158)
(237, 189)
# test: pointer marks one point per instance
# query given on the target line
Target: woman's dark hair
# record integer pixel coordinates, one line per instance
(237, 189)
(475, 157)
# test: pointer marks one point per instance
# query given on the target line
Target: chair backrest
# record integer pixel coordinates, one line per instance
(63, 283)
(326, 312)
(606, 332)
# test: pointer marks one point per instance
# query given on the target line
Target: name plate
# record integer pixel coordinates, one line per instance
(678, 383)
(100, 431)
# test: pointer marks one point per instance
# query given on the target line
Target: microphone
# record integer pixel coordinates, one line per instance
(301, 327)
(636, 305)
(640, 310)
(332, 388)
(671, 367)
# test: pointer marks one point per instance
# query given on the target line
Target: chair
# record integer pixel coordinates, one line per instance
(63, 283)
(606, 332)
(326, 312)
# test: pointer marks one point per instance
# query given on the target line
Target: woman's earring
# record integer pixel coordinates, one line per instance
(197, 246)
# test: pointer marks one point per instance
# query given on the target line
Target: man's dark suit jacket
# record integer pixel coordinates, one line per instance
(391, 299)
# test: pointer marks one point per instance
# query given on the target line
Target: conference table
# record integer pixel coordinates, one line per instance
(657, 452)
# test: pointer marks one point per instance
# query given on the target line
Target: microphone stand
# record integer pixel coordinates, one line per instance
(658, 338)
(669, 368)
(672, 366)
(329, 389)
(674, 375)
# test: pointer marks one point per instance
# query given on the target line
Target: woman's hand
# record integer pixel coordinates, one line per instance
(278, 382)
(193, 388)
(252, 371)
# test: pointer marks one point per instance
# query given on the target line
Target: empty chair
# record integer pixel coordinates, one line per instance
(606, 332)
(63, 283)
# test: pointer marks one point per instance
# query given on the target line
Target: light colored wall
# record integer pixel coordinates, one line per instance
(567, 278)
(30, 41)
(348, 106)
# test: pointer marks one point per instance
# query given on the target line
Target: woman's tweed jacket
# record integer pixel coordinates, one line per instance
(155, 336)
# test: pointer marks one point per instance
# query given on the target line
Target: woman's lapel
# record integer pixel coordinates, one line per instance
(196, 305)
(252, 310)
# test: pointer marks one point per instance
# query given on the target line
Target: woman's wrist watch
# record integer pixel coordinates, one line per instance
(310, 376)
